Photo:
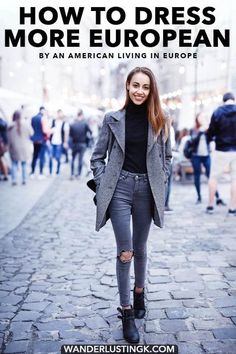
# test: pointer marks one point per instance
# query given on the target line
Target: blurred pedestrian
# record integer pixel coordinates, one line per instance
(59, 139)
(182, 166)
(40, 136)
(201, 155)
(222, 130)
(19, 134)
(183, 136)
(80, 134)
(3, 149)
(132, 182)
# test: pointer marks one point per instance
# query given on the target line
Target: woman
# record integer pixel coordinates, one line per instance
(20, 148)
(201, 155)
(132, 182)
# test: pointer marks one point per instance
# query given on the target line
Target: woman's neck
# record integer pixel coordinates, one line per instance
(136, 108)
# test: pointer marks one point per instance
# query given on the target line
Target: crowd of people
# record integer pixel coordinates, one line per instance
(41, 144)
(210, 149)
(44, 140)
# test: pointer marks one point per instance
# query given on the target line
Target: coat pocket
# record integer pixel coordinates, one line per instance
(122, 176)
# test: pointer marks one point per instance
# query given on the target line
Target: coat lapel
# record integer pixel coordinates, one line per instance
(118, 127)
(152, 139)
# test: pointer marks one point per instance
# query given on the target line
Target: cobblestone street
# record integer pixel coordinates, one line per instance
(58, 282)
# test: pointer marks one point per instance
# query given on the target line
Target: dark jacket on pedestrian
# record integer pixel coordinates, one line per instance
(106, 173)
(79, 132)
(38, 135)
(3, 137)
(3, 131)
(222, 128)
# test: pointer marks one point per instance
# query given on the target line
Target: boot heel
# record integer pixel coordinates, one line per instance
(130, 331)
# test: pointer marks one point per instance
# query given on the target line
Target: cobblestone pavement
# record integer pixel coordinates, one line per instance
(59, 285)
(19, 201)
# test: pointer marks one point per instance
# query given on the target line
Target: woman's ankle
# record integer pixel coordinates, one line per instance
(138, 290)
(126, 307)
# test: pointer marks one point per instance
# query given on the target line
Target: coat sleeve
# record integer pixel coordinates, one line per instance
(167, 148)
(168, 155)
(97, 161)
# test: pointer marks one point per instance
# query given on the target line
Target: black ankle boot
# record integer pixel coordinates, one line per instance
(130, 331)
(139, 305)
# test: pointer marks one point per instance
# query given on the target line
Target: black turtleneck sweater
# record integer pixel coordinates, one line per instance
(136, 136)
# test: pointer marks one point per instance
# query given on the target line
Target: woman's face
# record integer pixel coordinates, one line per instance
(139, 88)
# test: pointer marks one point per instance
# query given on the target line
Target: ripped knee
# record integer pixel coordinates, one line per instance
(125, 256)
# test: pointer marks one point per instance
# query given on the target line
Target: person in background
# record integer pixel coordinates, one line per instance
(40, 136)
(201, 155)
(182, 137)
(59, 138)
(79, 134)
(3, 149)
(222, 130)
(19, 134)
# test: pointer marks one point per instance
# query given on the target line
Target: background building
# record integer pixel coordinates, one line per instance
(186, 85)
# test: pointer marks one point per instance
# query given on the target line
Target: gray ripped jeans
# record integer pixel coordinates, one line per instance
(132, 196)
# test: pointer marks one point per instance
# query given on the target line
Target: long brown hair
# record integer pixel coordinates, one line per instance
(156, 115)
(197, 123)
(17, 119)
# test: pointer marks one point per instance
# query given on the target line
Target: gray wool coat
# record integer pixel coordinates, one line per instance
(108, 158)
